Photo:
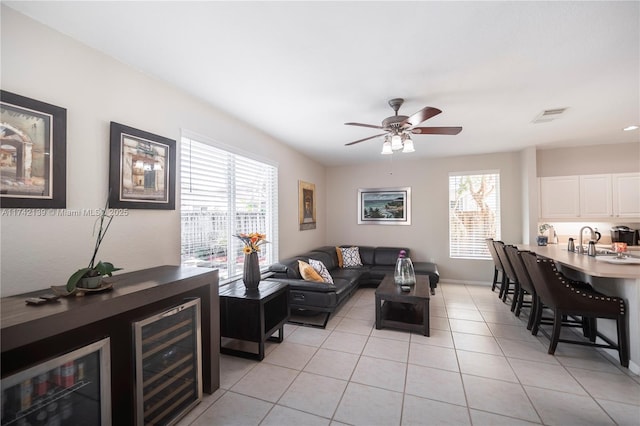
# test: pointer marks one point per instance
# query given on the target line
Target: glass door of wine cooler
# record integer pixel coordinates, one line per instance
(72, 389)
(168, 364)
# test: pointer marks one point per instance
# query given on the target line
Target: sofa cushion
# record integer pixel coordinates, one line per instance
(308, 273)
(367, 255)
(388, 255)
(351, 257)
(340, 259)
(321, 270)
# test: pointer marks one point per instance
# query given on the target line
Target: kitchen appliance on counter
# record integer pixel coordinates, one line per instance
(624, 234)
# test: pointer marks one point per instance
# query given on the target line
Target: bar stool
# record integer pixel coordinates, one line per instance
(509, 276)
(497, 265)
(565, 298)
(526, 286)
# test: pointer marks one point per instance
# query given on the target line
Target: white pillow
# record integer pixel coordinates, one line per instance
(351, 257)
(321, 270)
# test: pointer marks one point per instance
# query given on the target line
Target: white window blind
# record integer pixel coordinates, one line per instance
(224, 194)
(474, 213)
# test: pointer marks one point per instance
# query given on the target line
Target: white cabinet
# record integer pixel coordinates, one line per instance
(560, 197)
(626, 195)
(603, 196)
(595, 196)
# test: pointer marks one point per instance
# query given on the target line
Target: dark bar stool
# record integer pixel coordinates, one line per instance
(497, 269)
(526, 286)
(509, 276)
(565, 298)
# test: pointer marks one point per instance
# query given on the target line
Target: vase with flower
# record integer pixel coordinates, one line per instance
(251, 272)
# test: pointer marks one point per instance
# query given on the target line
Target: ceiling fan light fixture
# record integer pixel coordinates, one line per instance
(386, 148)
(396, 142)
(408, 146)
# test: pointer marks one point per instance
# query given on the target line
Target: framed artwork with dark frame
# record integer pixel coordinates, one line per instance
(33, 153)
(384, 206)
(307, 205)
(142, 169)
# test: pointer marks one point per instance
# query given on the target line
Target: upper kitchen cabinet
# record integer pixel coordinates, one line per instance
(560, 197)
(595, 196)
(626, 195)
(603, 196)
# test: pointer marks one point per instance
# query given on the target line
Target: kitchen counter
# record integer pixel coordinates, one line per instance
(583, 263)
(612, 279)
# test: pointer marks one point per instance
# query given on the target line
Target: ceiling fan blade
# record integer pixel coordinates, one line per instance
(422, 115)
(365, 139)
(373, 126)
(436, 130)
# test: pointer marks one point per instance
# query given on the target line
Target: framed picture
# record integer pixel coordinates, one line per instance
(33, 153)
(384, 206)
(142, 170)
(307, 205)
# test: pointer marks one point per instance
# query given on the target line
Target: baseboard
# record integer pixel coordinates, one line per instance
(465, 282)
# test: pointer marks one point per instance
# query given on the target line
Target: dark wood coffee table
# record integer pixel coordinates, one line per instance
(405, 310)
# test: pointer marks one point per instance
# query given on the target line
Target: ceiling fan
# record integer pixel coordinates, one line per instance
(398, 128)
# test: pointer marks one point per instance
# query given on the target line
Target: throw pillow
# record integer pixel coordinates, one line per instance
(351, 257)
(321, 270)
(308, 273)
(339, 253)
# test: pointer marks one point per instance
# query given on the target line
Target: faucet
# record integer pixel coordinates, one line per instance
(580, 248)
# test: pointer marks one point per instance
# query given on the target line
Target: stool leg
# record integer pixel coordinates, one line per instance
(623, 343)
(516, 296)
(534, 311)
(557, 326)
(538, 320)
(502, 286)
(495, 279)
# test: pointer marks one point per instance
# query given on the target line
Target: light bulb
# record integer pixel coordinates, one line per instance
(396, 142)
(386, 148)
(408, 146)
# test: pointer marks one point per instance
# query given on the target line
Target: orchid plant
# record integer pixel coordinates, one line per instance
(95, 269)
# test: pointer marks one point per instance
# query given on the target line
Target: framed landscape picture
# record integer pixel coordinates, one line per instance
(384, 206)
(33, 153)
(307, 205)
(142, 169)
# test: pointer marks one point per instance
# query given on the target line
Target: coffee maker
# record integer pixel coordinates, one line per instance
(624, 234)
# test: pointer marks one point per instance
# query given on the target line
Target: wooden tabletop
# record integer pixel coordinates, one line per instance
(420, 290)
(593, 266)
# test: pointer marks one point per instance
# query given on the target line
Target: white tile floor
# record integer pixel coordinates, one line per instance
(480, 366)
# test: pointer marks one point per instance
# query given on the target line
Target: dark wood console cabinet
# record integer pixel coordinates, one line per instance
(32, 334)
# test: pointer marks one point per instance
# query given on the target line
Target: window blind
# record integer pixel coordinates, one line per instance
(224, 194)
(474, 213)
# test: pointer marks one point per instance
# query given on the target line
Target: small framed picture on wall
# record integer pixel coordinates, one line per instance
(33, 153)
(142, 169)
(307, 205)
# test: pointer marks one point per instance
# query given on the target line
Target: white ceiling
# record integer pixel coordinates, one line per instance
(299, 70)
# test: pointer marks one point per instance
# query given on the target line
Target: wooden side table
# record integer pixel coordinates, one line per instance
(253, 316)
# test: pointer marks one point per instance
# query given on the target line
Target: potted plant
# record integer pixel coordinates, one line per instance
(91, 276)
(542, 239)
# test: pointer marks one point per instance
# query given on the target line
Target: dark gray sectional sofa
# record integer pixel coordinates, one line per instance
(316, 297)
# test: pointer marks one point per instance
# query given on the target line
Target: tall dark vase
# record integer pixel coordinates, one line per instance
(251, 274)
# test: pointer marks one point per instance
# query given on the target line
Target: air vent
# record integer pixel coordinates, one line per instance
(549, 115)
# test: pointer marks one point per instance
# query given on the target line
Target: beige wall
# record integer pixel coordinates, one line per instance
(37, 252)
(587, 160)
(428, 235)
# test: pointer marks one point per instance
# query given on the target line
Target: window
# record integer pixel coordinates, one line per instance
(223, 194)
(474, 213)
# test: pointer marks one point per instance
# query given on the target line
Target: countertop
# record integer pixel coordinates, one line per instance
(583, 263)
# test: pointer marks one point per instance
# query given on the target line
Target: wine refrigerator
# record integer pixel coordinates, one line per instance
(71, 389)
(168, 364)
